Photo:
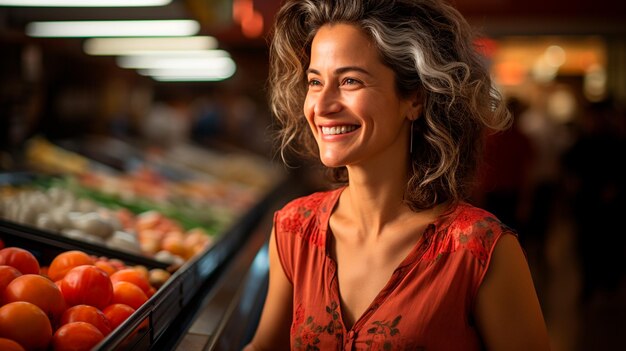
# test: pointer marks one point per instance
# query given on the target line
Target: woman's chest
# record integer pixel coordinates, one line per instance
(415, 308)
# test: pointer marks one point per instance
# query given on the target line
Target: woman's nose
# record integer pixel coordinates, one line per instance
(327, 101)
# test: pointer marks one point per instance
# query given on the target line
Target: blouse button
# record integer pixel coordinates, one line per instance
(351, 334)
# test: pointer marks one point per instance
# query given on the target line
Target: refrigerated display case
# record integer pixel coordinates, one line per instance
(202, 292)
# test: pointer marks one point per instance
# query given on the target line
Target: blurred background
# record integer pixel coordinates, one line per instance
(557, 176)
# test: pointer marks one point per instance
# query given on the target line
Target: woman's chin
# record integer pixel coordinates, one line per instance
(331, 162)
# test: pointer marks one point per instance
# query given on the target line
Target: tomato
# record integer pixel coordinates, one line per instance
(76, 336)
(118, 264)
(43, 271)
(10, 345)
(65, 261)
(26, 324)
(129, 294)
(88, 314)
(20, 259)
(117, 313)
(106, 266)
(134, 276)
(39, 291)
(87, 285)
(7, 274)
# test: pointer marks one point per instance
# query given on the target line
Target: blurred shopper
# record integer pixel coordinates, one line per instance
(596, 184)
(207, 120)
(167, 124)
(393, 97)
(550, 138)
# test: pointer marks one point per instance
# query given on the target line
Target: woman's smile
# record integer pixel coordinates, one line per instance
(336, 130)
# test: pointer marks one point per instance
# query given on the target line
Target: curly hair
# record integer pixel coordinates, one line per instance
(431, 49)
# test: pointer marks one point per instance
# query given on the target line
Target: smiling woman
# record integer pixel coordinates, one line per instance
(393, 97)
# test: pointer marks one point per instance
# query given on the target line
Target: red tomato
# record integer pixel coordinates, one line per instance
(118, 264)
(134, 276)
(26, 324)
(39, 291)
(10, 345)
(65, 261)
(117, 313)
(106, 266)
(7, 274)
(88, 314)
(87, 285)
(43, 271)
(129, 294)
(20, 259)
(76, 336)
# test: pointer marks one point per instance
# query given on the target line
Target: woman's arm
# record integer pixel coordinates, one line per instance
(507, 309)
(273, 330)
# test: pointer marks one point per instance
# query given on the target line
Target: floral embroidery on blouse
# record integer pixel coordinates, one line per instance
(382, 331)
(297, 219)
(309, 330)
(473, 233)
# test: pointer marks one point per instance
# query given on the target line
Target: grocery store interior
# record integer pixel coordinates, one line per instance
(177, 151)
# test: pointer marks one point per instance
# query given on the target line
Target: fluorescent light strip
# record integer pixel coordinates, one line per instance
(83, 3)
(187, 79)
(173, 62)
(189, 73)
(129, 46)
(77, 29)
(186, 74)
(151, 56)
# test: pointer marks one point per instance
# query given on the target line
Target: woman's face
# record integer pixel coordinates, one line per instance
(352, 105)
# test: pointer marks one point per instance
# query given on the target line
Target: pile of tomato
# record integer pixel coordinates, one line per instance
(72, 304)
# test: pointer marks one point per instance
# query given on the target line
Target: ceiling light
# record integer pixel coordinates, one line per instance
(129, 46)
(179, 75)
(136, 28)
(84, 3)
(217, 60)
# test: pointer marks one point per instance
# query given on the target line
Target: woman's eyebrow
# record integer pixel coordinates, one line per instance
(341, 70)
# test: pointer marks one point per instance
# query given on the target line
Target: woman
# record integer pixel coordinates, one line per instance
(396, 99)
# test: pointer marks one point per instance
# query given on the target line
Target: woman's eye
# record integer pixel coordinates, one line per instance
(314, 82)
(350, 81)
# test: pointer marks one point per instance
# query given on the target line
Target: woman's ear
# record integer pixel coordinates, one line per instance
(416, 107)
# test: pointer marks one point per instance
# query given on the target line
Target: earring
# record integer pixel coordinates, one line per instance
(411, 139)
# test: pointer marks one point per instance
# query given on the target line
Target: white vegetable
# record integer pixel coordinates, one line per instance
(92, 223)
(80, 235)
(45, 221)
(124, 241)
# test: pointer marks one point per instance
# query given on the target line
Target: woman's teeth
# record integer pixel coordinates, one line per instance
(338, 130)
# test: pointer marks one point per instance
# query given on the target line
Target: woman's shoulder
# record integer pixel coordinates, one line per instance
(474, 229)
(306, 214)
(467, 216)
(310, 204)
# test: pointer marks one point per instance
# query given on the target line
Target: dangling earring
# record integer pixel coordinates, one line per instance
(411, 139)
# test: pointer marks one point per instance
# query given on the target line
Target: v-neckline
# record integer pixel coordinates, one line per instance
(412, 258)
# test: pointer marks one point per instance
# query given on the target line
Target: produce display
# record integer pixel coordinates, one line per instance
(58, 209)
(161, 207)
(72, 303)
(111, 245)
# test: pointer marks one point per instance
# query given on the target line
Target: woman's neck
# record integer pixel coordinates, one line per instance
(374, 197)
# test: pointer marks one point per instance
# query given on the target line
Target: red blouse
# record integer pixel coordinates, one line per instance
(427, 303)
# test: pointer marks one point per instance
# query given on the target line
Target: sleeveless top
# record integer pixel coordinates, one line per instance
(427, 303)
